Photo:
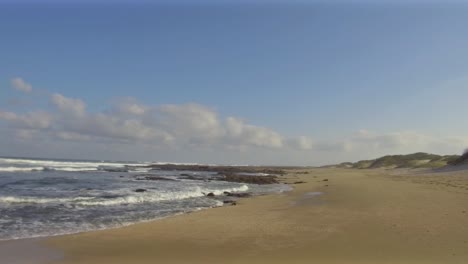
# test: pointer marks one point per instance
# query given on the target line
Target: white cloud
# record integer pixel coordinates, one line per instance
(188, 129)
(192, 126)
(302, 143)
(404, 142)
(241, 133)
(70, 106)
(25, 134)
(392, 140)
(32, 120)
(129, 121)
(130, 106)
(114, 127)
(71, 136)
(21, 85)
(334, 146)
(194, 122)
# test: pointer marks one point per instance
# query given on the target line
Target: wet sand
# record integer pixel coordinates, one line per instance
(27, 251)
(357, 216)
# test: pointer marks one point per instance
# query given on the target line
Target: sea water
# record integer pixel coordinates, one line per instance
(41, 197)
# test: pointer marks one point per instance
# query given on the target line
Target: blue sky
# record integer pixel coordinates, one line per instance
(350, 80)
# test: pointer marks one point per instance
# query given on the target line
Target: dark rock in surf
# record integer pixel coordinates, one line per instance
(140, 190)
(112, 169)
(149, 177)
(210, 194)
(191, 177)
(233, 177)
(239, 195)
(219, 169)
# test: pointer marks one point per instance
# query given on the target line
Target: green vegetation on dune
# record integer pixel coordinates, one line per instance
(363, 164)
(415, 160)
(460, 160)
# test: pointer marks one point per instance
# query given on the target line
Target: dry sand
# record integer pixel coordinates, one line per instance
(363, 216)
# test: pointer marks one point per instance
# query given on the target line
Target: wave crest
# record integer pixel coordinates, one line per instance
(27, 165)
(146, 197)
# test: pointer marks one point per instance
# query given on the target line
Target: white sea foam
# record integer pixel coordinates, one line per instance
(61, 163)
(37, 200)
(24, 165)
(47, 203)
(72, 228)
(25, 169)
(179, 163)
(17, 164)
(160, 196)
(13, 169)
(254, 174)
(139, 169)
(135, 198)
(74, 168)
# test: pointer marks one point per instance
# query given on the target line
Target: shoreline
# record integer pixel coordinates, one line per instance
(40, 252)
(133, 198)
(237, 199)
(360, 216)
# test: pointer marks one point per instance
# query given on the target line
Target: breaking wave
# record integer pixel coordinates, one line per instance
(110, 200)
(29, 165)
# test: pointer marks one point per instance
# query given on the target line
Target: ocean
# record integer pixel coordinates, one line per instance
(46, 197)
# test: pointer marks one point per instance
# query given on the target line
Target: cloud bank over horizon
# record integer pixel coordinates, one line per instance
(128, 129)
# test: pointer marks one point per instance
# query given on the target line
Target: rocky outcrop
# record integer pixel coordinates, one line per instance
(219, 169)
(113, 169)
(229, 202)
(150, 177)
(231, 177)
(193, 177)
(238, 195)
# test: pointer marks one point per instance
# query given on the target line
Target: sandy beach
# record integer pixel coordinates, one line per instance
(336, 216)
(233, 132)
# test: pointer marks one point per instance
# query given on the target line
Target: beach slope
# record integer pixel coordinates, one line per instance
(336, 216)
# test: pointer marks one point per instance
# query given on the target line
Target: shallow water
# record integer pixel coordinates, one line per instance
(38, 203)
